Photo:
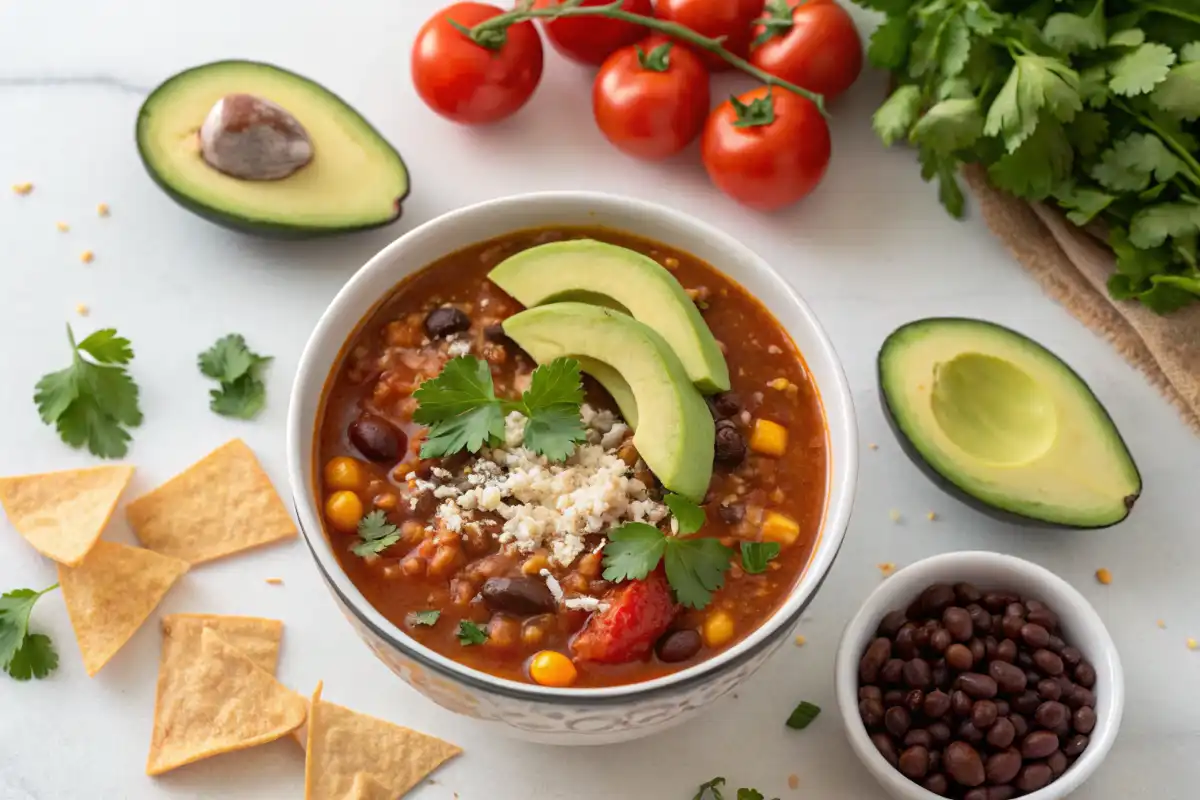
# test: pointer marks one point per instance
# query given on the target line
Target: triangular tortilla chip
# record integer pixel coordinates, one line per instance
(367, 788)
(344, 743)
(221, 505)
(63, 513)
(257, 638)
(212, 699)
(111, 594)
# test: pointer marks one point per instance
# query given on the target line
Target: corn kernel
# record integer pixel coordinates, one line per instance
(779, 384)
(62, 227)
(344, 510)
(1104, 576)
(87, 256)
(1192, 644)
(22, 188)
(102, 209)
(275, 581)
(717, 629)
(780, 528)
(82, 310)
(768, 438)
(343, 472)
(887, 568)
(800, 640)
(552, 668)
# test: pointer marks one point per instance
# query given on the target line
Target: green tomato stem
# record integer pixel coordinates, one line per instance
(486, 31)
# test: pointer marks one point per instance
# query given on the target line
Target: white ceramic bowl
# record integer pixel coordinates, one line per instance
(568, 716)
(1081, 627)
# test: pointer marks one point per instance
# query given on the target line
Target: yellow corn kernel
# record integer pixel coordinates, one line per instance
(717, 629)
(344, 510)
(552, 668)
(62, 227)
(779, 384)
(22, 188)
(87, 256)
(82, 310)
(343, 472)
(780, 528)
(1104, 576)
(102, 209)
(768, 438)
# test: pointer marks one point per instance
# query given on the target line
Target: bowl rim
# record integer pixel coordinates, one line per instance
(835, 394)
(914, 577)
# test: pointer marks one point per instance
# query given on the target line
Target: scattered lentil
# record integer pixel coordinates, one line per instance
(87, 256)
(1192, 644)
(82, 310)
(887, 568)
(793, 782)
(62, 227)
(275, 581)
(800, 640)
(873, 446)
(894, 515)
(1104, 576)
(931, 516)
(1161, 623)
(22, 188)
(102, 209)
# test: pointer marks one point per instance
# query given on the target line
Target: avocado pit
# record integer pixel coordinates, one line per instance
(252, 138)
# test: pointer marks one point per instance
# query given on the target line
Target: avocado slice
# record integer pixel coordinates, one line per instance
(1003, 424)
(615, 385)
(355, 179)
(675, 430)
(605, 274)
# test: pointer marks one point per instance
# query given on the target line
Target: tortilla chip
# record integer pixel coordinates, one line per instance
(257, 638)
(343, 744)
(63, 513)
(221, 505)
(111, 594)
(367, 788)
(212, 699)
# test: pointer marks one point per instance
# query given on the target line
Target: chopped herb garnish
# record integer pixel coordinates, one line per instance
(749, 794)
(689, 515)
(239, 371)
(376, 534)
(695, 566)
(755, 556)
(426, 618)
(24, 655)
(470, 634)
(463, 413)
(712, 790)
(94, 400)
(803, 716)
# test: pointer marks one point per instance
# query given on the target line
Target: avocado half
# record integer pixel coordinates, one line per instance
(355, 181)
(1004, 425)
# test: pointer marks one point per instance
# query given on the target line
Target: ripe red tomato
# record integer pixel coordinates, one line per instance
(590, 40)
(467, 82)
(650, 102)
(713, 18)
(638, 613)
(770, 165)
(820, 51)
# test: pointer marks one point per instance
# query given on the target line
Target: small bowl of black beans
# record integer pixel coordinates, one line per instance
(979, 676)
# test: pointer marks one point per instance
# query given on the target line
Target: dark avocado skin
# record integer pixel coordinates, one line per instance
(952, 489)
(236, 222)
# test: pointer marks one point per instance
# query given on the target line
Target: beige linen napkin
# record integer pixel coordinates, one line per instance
(1072, 267)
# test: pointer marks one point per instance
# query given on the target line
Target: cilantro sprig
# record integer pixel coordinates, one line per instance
(424, 618)
(242, 393)
(469, 634)
(711, 790)
(695, 566)
(24, 655)
(1089, 104)
(375, 534)
(462, 411)
(92, 402)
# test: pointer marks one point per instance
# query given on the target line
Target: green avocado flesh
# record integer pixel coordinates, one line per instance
(675, 431)
(355, 180)
(1006, 423)
(605, 274)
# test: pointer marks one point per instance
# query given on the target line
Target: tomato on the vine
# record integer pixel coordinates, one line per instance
(467, 81)
(590, 40)
(766, 148)
(731, 19)
(650, 100)
(813, 44)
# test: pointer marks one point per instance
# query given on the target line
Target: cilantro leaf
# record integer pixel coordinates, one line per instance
(1039, 166)
(556, 383)
(1130, 162)
(711, 789)
(425, 618)
(755, 556)
(554, 431)
(1072, 33)
(803, 715)
(469, 634)
(926, 46)
(950, 125)
(1036, 83)
(749, 794)
(1140, 70)
(1190, 52)
(1179, 93)
(23, 655)
(242, 399)
(1152, 225)
(230, 361)
(1132, 37)
(1083, 204)
(376, 534)
(91, 402)
(633, 551)
(889, 44)
(696, 568)
(1088, 131)
(689, 515)
(894, 119)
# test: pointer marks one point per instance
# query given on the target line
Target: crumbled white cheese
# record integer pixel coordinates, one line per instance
(514, 429)
(553, 585)
(614, 436)
(585, 603)
(458, 347)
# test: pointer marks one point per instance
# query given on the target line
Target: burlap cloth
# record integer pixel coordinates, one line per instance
(1073, 267)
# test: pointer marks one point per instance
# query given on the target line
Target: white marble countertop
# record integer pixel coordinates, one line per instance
(871, 249)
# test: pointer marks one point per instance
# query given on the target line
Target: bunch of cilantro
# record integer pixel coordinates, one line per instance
(1089, 104)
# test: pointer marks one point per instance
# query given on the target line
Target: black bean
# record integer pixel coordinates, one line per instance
(940, 639)
(732, 513)
(937, 704)
(377, 439)
(892, 672)
(1050, 663)
(921, 636)
(935, 760)
(1002, 767)
(914, 762)
(984, 715)
(995, 602)
(1024, 660)
(1085, 675)
(886, 747)
(1056, 645)
(966, 594)
(1057, 762)
(1002, 708)
(1081, 698)
(1062, 729)
(519, 596)
(980, 618)
(1083, 720)
(1011, 625)
(914, 701)
(1039, 744)
(495, 333)
(873, 660)
(940, 732)
(1027, 702)
(444, 321)
(1002, 733)
(978, 685)
(1035, 635)
(918, 736)
(679, 646)
(893, 697)
(871, 712)
(1071, 656)
(960, 703)
(937, 784)
(1033, 777)
(1051, 714)
(904, 641)
(936, 598)
(726, 404)
(959, 657)
(896, 719)
(1006, 651)
(1048, 689)
(978, 650)
(964, 764)
(1019, 724)
(917, 674)
(1044, 617)
(991, 793)
(990, 645)
(1032, 677)
(891, 623)
(1075, 745)
(969, 733)
(958, 622)
(1015, 610)
(870, 693)
(941, 674)
(730, 446)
